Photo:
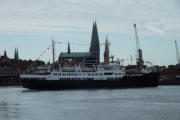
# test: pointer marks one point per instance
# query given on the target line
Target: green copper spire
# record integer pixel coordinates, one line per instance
(69, 50)
(95, 48)
(5, 54)
(94, 37)
(106, 52)
(16, 56)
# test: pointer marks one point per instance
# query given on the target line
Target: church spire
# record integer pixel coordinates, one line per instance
(16, 56)
(94, 37)
(106, 52)
(5, 54)
(95, 48)
(69, 50)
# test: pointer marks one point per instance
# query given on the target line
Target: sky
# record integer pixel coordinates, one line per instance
(30, 25)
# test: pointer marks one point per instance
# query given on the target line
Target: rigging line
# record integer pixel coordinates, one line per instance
(79, 44)
(60, 42)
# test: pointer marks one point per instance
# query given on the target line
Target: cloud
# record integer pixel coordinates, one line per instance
(158, 28)
(114, 16)
(163, 27)
(155, 29)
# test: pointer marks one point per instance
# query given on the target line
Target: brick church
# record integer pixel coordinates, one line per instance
(83, 58)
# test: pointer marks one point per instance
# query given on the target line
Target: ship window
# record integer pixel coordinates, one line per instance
(108, 73)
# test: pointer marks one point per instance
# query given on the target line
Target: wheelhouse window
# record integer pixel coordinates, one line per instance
(108, 73)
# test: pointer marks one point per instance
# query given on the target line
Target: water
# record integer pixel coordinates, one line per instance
(162, 103)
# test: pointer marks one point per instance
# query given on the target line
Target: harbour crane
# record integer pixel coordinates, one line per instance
(139, 58)
(177, 52)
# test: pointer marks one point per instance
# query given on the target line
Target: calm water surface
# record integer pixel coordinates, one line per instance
(161, 103)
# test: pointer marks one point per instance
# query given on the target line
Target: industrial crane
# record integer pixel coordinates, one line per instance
(139, 58)
(177, 52)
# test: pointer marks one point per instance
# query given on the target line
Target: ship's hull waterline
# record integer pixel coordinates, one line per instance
(146, 80)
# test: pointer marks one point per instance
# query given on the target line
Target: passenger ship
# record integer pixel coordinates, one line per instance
(101, 76)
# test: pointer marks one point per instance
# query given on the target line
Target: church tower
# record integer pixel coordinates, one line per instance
(95, 48)
(5, 54)
(69, 50)
(106, 52)
(16, 56)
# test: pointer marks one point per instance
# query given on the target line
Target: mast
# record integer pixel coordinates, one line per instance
(177, 52)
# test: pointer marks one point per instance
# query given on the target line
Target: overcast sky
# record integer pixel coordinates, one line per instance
(30, 25)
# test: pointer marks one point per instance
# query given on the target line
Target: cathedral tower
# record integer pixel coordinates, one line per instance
(5, 54)
(16, 56)
(95, 48)
(69, 50)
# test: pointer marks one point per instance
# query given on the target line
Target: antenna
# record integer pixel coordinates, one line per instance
(177, 52)
(131, 59)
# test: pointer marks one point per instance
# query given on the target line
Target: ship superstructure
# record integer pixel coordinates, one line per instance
(104, 72)
(101, 76)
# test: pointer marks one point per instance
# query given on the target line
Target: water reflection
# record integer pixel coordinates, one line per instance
(8, 111)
